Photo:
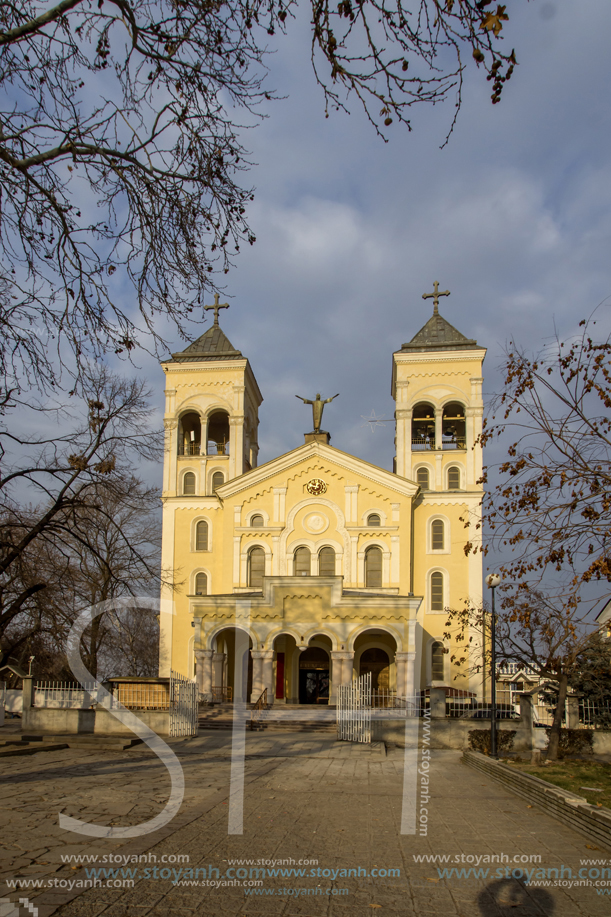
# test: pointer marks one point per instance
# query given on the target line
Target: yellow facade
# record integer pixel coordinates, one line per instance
(318, 566)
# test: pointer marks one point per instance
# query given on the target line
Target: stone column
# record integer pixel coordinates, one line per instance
(267, 675)
(438, 427)
(341, 671)
(336, 675)
(410, 678)
(438, 702)
(236, 445)
(401, 661)
(204, 674)
(572, 712)
(257, 674)
(527, 717)
(28, 701)
(218, 670)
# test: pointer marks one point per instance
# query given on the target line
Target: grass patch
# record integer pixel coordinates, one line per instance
(573, 775)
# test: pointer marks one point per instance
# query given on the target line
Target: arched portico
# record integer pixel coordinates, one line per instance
(225, 668)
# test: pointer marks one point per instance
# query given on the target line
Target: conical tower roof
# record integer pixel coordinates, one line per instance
(212, 345)
(439, 334)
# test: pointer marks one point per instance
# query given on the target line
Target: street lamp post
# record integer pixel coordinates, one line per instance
(493, 581)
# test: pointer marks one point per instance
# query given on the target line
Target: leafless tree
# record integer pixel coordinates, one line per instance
(553, 639)
(120, 146)
(549, 513)
(68, 510)
(551, 507)
(111, 551)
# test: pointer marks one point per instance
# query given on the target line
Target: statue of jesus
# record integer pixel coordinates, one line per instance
(317, 408)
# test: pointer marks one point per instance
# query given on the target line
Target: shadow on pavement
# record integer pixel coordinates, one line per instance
(511, 897)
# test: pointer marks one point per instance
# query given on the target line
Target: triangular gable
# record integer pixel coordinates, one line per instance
(303, 455)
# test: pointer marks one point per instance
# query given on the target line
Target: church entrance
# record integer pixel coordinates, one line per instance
(232, 668)
(377, 662)
(314, 676)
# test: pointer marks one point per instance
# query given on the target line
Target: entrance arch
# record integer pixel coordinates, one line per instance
(314, 676)
(375, 651)
(285, 668)
(377, 662)
(232, 664)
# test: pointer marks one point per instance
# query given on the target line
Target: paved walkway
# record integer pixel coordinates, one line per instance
(305, 798)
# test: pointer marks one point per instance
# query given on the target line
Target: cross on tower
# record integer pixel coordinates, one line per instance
(435, 296)
(216, 308)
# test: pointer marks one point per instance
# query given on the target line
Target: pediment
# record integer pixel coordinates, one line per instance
(318, 457)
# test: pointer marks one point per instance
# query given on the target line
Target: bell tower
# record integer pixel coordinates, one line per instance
(437, 386)
(211, 416)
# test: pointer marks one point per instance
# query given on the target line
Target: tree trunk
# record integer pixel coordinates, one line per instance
(554, 733)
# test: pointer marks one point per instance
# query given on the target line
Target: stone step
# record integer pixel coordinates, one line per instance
(105, 742)
(29, 748)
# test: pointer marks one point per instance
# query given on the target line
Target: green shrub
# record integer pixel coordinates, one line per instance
(573, 742)
(479, 740)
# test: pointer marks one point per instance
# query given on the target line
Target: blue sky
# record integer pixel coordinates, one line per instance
(512, 216)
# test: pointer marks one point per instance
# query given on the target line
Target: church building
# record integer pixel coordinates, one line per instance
(321, 565)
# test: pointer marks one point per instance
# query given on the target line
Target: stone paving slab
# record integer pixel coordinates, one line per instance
(309, 799)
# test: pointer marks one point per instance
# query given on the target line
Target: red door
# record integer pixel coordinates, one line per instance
(279, 675)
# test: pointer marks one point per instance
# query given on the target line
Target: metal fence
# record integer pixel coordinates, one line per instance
(465, 705)
(221, 695)
(184, 698)
(64, 694)
(592, 715)
(354, 710)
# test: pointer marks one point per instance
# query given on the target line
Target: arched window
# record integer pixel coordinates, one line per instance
(256, 522)
(256, 567)
(302, 562)
(190, 434)
(453, 426)
(437, 591)
(422, 477)
(218, 479)
(423, 426)
(326, 562)
(373, 519)
(188, 484)
(437, 654)
(201, 584)
(201, 536)
(373, 566)
(218, 433)
(437, 535)
(454, 478)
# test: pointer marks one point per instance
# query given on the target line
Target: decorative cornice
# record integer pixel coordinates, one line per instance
(322, 452)
(447, 356)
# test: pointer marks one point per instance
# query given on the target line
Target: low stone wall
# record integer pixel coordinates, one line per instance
(570, 809)
(70, 721)
(445, 732)
(107, 724)
(601, 742)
